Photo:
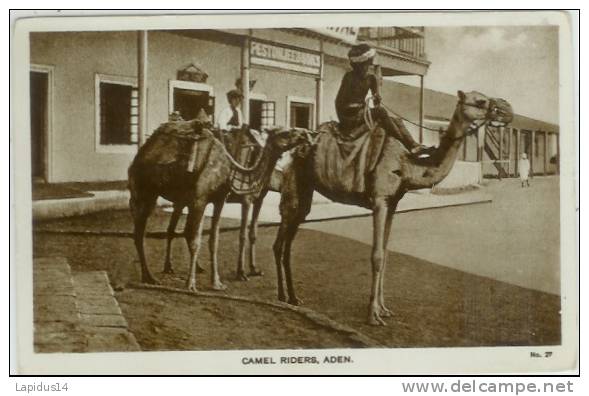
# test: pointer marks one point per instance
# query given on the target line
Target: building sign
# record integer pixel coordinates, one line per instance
(192, 73)
(349, 34)
(284, 57)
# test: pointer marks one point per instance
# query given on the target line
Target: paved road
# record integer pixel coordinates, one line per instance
(514, 239)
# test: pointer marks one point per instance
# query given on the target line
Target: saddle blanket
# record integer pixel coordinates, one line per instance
(344, 162)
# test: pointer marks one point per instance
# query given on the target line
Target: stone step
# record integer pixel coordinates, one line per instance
(101, 316)
(76, 312)
(57, 319)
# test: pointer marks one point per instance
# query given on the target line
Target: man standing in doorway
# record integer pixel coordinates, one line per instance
(231, 117)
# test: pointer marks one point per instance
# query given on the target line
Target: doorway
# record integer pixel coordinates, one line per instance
(300, 114)
(189, 102)
(39, 95)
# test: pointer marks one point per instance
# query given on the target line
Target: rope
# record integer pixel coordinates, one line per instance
(232, 160)
(368, 115)
(407, 120)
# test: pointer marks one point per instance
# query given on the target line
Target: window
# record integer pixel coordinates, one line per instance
(262, 114)
(301, 115)
(300, 112)
(117, 113)
(189, 103)
(188, 98)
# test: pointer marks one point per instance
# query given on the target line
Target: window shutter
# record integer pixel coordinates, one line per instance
(268, 114)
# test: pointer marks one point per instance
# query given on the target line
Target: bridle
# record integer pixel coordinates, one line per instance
(476, 124)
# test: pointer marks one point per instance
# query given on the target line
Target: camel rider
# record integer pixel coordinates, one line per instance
(350, 101)
(231, 117)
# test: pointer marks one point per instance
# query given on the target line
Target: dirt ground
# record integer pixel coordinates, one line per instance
(434, 306)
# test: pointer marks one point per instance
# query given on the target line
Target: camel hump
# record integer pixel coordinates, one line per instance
(345, 161)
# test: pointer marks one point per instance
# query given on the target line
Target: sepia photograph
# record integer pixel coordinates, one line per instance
(327, 193)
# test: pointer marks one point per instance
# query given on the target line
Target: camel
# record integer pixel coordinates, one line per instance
(186, 164)
(253, 199)
(395, 173)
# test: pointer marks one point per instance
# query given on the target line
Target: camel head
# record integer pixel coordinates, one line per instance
(286, 139)
(476, 108)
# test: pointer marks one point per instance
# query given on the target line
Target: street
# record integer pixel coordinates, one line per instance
(514, 239)
(478, 275)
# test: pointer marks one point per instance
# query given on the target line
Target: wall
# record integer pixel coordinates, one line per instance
(73, 137)
(278, 84)
(77, 57)
(462, 174)
(170, 52)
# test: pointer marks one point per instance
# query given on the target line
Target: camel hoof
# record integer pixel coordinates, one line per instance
(375, 320)
(219, 286)
(191, 286)
(241, 276)
(255, 272)
(385, 312)
(295, 301)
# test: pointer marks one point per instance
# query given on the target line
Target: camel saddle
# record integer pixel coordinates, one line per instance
(345, 160)
(178, 141)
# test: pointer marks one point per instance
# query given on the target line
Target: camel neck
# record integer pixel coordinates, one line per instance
(427, 173)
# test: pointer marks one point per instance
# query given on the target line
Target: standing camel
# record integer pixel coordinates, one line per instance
(184, 163)
(248, 200)
(395, 173)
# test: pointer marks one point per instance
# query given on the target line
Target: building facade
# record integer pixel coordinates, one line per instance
(88, 89)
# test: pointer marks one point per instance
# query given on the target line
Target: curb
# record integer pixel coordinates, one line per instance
(315, 317)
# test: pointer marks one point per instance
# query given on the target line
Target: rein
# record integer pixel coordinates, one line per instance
(473, 127)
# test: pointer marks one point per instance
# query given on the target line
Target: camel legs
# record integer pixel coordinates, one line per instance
(384, 311)
(291, 232)
(140, 210)
(245, 214)
(278, 248)
(170, 237)
(282, 247)
(379, 220)
(214, 245)
(253, 236)
(193, 234)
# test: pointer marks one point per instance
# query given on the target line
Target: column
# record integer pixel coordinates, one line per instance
(532, 152)
(142, 85)
(245, 79)
(557, 153)
(421, 110)
(545, 153)
(319, 89)
(500, 150)
(479, 147)
(509, 133)
(518, 144)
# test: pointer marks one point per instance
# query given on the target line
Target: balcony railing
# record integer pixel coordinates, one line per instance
(407, 40)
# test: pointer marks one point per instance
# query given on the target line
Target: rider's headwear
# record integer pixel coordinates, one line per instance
(361, 53)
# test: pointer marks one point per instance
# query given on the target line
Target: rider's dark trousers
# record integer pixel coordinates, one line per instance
(392, 125)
